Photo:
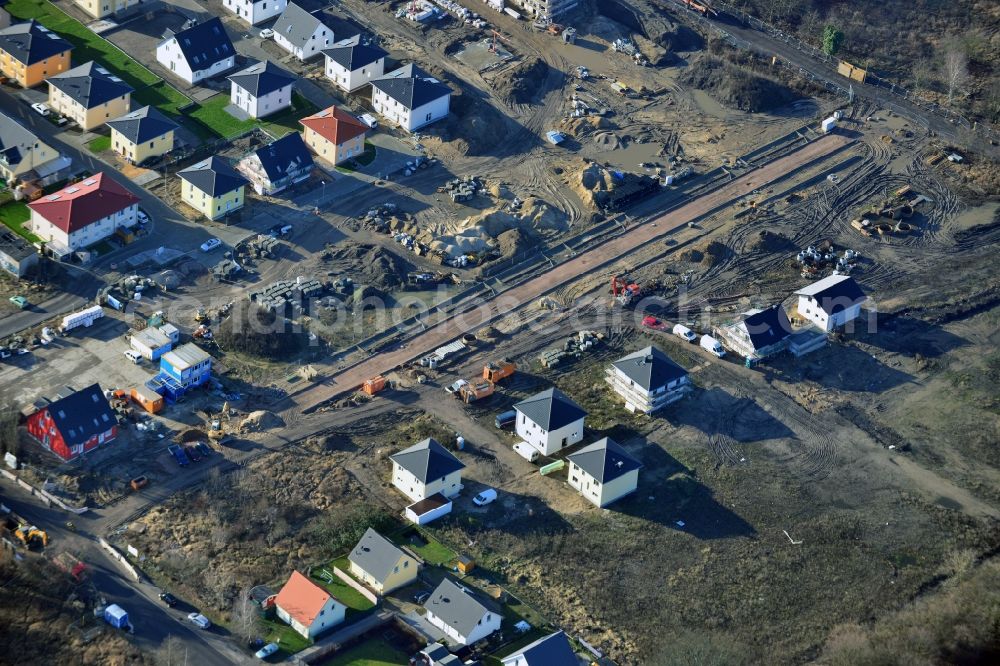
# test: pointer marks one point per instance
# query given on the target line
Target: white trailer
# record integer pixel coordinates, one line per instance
(83, 318)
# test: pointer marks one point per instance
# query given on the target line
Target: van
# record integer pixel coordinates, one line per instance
(713, 346)
(133, 356)
(527, 451)
(682, 331)
(368, 119)
(506, 420)
(485, 497)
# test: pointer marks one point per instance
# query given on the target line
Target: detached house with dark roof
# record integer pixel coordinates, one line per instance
(426, 469)
(261, 89)
(603, 472)
(760, 334)
(458, 613)
(142, 135)
(334, 135)
(549, 421)
(199, 52)
(31, 53)
(832, 302)
(380, 564)
(90, 95)
(83, 213)
(410, 98)
(255, 11)
(74, 424)
(647, 380)
(302, 33)
(22, 153)
(278, 165)
(352, 65)
(551, 650)
(212, 187)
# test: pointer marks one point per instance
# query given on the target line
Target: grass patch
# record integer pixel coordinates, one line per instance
(369, 653)
(14, 215)
(347, 595)
(214, 118)
(433, 552)
(367, 157)
(287, 638)
(100, 144)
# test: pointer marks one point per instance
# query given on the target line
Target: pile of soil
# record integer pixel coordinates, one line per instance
(587, 125)
(522, 84)
(737, 88)
(771, 242)
(371, 265)
(513, 242)
(709, 256)
(250, 329)
(475, 128)
(260, 420)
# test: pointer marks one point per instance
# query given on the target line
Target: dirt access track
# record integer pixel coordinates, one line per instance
(442, 333)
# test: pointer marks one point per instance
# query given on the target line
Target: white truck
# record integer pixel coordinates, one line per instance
(682, 331)
(712, 346)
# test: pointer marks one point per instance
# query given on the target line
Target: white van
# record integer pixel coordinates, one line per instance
(684, 332)
(133, 356)
(485, 497)
(713, 346)
(527, 451)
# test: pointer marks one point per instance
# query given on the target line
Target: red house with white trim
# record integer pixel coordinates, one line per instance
(74, 424)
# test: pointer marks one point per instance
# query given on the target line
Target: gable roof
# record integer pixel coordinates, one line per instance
(457, 608)
(204, 44)
(551, 650)
(79, 204)
(302, 599)
(834, 293)
(142, 124)
(284, 156)
(376, 555)
(81, 415)
(32, 42)
(13, 136)
(605, 460)
(335, 125)
(427, 460)
(768, 326)
(649, 368)
(262, 78)
(90, 85)
(297, 25)
(352, 55)
(411, 87)
(551, 409)
(213, 176)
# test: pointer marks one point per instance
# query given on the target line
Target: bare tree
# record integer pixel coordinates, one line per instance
(246, 621)
(172, 652)
(9, 442)
(956, 71)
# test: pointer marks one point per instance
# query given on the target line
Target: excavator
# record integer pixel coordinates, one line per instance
(624, 291)
(25, 533)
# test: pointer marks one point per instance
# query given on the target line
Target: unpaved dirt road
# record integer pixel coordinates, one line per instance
(351, 378)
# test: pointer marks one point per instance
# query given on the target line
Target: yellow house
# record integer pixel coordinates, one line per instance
(142, 134)
(31, 53)
(212, 187)
(89, 95)
(334, 135)
(101, 8)
(21, 151)
(603, 472)
(380, 565)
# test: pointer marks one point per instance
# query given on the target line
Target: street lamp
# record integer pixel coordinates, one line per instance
(322, 196)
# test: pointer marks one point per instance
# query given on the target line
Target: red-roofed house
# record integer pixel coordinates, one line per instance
(307, 607)
(334, 135)
(83, 213)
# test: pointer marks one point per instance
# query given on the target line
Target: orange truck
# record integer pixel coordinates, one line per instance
(476, 391)
(494, 371)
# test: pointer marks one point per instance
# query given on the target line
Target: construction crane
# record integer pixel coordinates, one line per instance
(496, 36)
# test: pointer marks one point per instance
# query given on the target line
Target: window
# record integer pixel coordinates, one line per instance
(152, 143)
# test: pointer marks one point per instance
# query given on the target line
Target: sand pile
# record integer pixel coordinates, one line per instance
(260, 420)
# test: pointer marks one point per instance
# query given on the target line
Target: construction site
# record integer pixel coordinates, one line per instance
(620, 177)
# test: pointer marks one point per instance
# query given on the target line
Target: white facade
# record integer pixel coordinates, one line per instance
(487, 624)
(545, 442)
(449, 485)
(85, 236)
(258, 107)
(321, 39)
(601, 494)
(410, 119)
(332, 614)
(809, 309)
(169, 55)
(349, 81)
(255, 12)
(638, 399)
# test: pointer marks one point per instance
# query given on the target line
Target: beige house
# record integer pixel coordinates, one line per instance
(603, 472)
(101, 8)
(89, 95)
(380, 564)
(212, 187)
(142, 135)
(334, 135)
(21, 151)
(425, 469)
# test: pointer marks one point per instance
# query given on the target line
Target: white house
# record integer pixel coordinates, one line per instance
(832, 302)
(261, 89)
(760, 334)
(549, 421)
(603, 472)
(410, 98)
(255, 12)
(301, 33)
(352, 65)
(425, 469)
(198, 53)
(307, 607)
(278, 165)
(463, 618)
(648, 380)
(551, 650)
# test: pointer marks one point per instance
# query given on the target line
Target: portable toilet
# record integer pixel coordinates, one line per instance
(116, 616)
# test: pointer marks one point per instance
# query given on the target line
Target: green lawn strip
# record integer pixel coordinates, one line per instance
(343, 592)
(212, 115)
(369, 653)
(367, 157)
(14, 215)
(288, 121)
(100, 144)
(289, 640)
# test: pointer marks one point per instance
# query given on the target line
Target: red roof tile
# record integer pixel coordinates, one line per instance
(301, 599)
(79, 204)
(335, 125)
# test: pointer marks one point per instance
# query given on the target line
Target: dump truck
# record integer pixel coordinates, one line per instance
(494, 371)
(72, 566)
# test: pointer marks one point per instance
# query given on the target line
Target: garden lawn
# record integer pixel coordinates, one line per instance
(14, 215)
(433, 552)
(213, 117)
(369, 653)
(287, 638)
(100, 144)
(342, 591)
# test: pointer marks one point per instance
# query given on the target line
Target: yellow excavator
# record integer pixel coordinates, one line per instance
(26, 534)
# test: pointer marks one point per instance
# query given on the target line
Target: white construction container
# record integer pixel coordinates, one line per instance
(828, 125)
(527, 451)
(712, 346)
(511, 13)
(82, 318)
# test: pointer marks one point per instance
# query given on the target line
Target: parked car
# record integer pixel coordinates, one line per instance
(133, 356)
(210, 244)
(713, 346)
(19, 301)
(203, 449)
(456, 386)
(199, 620)
(139, 482)
(421, 597)
(179, 455)
(41, 109)
(142, 217)
(682, 331)
(281, 230)
(506, 420)
(485, 497)
(266, 33)
(266, 651)
(168, 599)
(193, 453)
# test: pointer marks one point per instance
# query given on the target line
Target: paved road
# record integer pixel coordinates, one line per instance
(587, 262)
(78, 293)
